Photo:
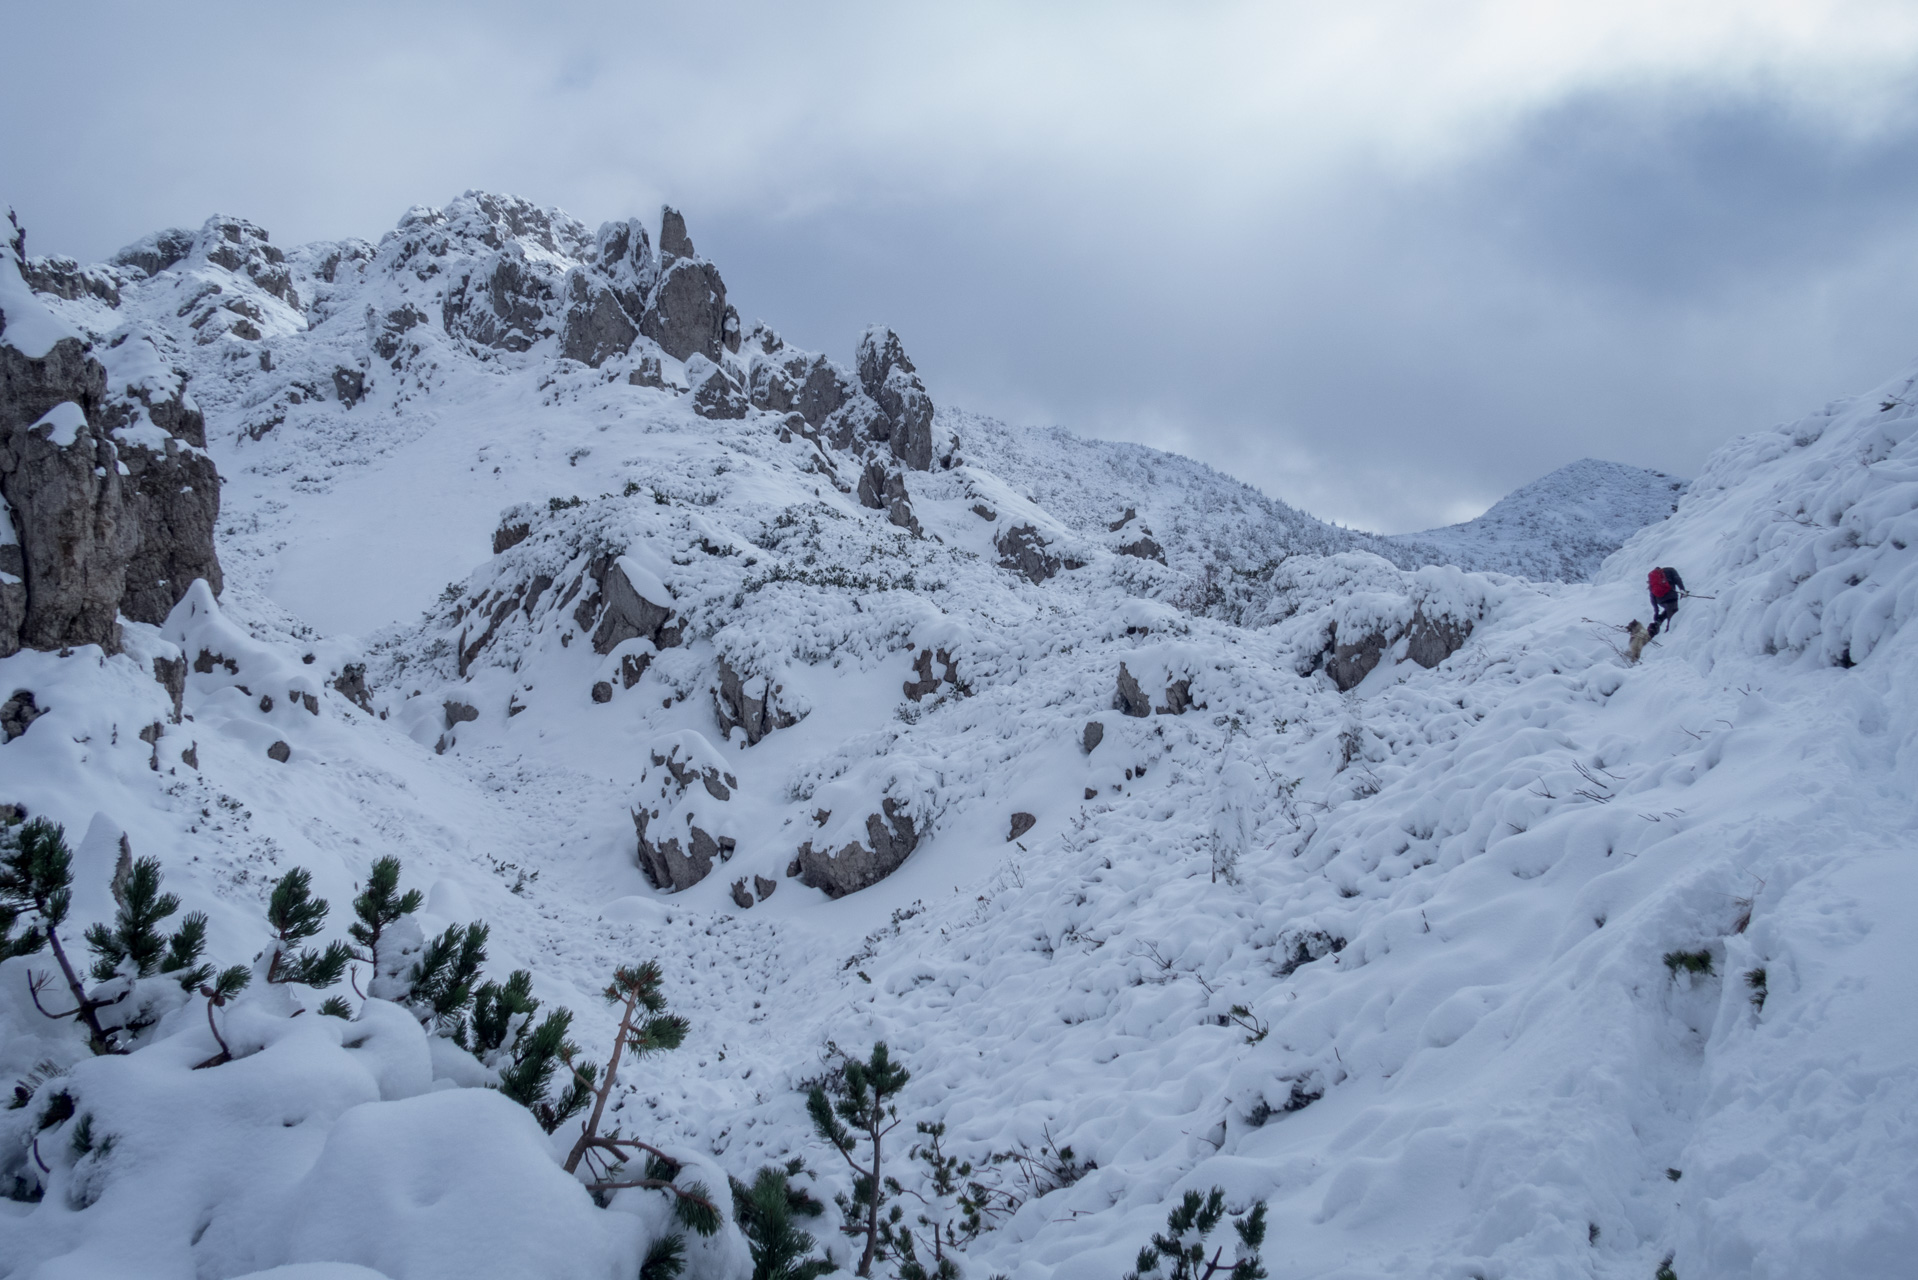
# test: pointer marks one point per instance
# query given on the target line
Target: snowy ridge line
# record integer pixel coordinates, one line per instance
(1558, 528)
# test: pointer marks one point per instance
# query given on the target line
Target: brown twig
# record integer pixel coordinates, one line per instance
(84, 1009)
(654, 1184)
(36, 981)
(614, 1144)
(225, 1054)
(1215, 1266)
(588, 1136)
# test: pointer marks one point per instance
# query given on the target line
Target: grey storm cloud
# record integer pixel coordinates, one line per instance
(1385, 264)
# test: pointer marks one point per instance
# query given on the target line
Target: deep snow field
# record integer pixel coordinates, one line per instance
(1443, 897)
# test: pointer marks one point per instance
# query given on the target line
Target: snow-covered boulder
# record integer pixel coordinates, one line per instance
(878, 845)
(683, 817)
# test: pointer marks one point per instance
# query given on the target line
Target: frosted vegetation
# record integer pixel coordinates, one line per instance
(1166, 839)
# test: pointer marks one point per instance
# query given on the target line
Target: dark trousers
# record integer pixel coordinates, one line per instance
(1663, 610)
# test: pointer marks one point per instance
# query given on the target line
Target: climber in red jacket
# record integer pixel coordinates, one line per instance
(1665, 586)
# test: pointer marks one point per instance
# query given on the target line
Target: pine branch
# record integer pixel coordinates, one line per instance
(379, 906)
(656, 1184)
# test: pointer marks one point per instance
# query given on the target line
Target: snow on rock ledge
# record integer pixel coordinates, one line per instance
(1346, 614)
(683, 828)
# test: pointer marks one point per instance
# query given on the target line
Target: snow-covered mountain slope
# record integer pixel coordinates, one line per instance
(1205, 520)
(1339, 885)
(1558, 528)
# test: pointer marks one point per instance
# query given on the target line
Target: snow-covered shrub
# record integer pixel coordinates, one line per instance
(765, 1211)
(140, 974)
(864, 1111)
(1186, 1240)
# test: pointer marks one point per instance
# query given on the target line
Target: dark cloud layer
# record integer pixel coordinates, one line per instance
(1620, 278)
(1075, 220)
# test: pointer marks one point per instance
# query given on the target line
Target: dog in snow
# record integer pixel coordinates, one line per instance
(1639, 639)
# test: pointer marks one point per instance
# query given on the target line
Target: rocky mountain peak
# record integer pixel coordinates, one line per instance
(674, 243)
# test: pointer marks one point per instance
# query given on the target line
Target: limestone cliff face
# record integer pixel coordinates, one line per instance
(109, 500)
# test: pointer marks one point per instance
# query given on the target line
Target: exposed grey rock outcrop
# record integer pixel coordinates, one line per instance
(715, 394)
(750, 703)
(13, 586)
(1141, 543)
(171, 674)
(510, 535)
(687, 312)
(156, 252)
(503, 303)
(890, 379)
(674, 243)
(1130, 699)
(351, 685)
(929, 681)
(685, 770)
(623, 254)
(243, 248)
(17, 713)
(668, 862)
(885, 490)
(1094, 734)
(1178, 698)
(388, 333)
(1429, 641)
(65, 278)
(1021, 823)
(59, 474)
(349, 385)
(858, 423)
(670, 859)
(172, 497)
(629, 615)
(783, 380)
(1023, 550)
(101, 525)
(890, 839)
(594, 326)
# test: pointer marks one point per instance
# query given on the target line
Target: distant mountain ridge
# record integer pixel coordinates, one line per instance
(1558, 528)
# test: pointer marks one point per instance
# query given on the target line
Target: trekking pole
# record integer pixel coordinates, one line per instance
(1689, 596)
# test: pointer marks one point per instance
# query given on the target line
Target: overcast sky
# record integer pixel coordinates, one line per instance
(1385, 261)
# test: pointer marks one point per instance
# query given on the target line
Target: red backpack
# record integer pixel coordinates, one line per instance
(1660, 586)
